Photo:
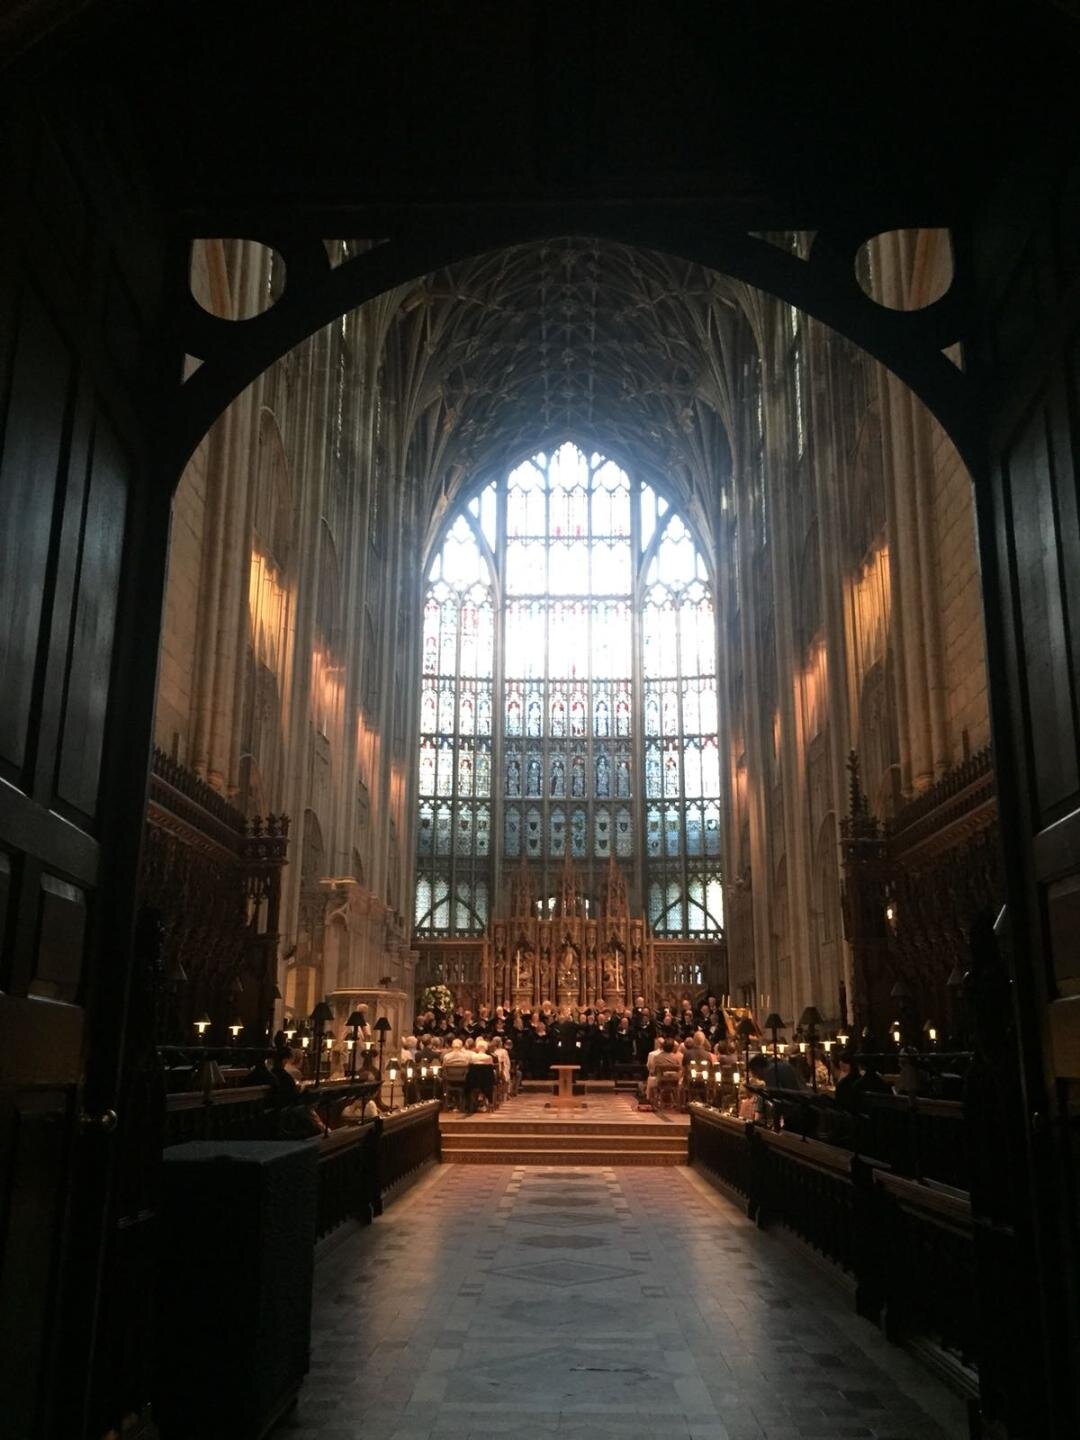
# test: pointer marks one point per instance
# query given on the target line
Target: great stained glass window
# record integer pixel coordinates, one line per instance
(580, 713)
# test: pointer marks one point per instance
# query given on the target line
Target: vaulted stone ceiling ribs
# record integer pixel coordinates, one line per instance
(622, 348)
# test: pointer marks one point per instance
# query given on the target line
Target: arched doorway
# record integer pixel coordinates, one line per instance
(89, 377)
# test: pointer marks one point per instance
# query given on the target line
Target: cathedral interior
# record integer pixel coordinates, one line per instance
(539, 540)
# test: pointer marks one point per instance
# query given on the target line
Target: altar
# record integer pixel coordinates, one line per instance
(570, 949)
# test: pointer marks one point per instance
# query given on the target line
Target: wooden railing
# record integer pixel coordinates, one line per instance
(348, 1177)
(360, 1165)
(250, 1113)
(907, 1244)
(914, 1136)
(410, 1138)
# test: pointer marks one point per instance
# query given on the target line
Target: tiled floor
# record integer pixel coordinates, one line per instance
(625, 1303)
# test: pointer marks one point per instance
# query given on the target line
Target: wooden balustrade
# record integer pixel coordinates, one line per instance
(410, 1138)
(927, 1256)
(920, 1138)
(358, 1164)
(808, 1187)
(720, 1146)
(348, 1177)
(254, 1112)
(907, 1243)
(916, 1136)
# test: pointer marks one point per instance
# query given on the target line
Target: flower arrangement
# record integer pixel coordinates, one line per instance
(437, 997)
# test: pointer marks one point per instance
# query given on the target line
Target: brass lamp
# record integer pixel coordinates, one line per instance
(774, 1023)
(320, 1017)
(356, 1022)
(382, 1025)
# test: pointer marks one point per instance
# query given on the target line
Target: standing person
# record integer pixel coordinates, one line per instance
(591, 1049)
(565, 1031)
(622, 1046)
(644, 1036)
(541, 1052)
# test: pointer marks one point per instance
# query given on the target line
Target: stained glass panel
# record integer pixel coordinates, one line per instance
(580, 546)
(654, 843)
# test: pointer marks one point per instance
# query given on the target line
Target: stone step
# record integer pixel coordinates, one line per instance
(559, 1155)
(670, 1140)
(488, 1129)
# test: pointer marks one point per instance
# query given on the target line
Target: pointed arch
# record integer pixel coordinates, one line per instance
(592, 713)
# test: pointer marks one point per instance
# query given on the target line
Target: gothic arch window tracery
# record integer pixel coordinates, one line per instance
(604, 739)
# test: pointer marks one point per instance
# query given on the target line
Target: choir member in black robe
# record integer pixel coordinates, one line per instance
(565, 1035)
(644, 1037)
(592, 1049)
(622, 1046)
(541, 1052)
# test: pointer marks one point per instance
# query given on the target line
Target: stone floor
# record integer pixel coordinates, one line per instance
(624, 1303)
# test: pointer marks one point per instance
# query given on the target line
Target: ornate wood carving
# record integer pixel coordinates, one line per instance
(913, 889)
(213, 880)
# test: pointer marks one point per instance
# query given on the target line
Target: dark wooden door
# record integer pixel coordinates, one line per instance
(82, 549)
(1026, 255)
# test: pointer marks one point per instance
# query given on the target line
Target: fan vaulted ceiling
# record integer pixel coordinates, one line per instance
(621, 348)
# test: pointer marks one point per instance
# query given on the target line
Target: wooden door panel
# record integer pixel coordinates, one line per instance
(29, 469)
(37, 1143)
(43, 1045)
(87, 689)
(1038, 583)
(81, 526)
(61, 940)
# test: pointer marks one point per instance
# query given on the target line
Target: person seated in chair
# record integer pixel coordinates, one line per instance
(696, 1050)
(774, 1074)
(480, 1078)
(456, 1060)
(666, 1062)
